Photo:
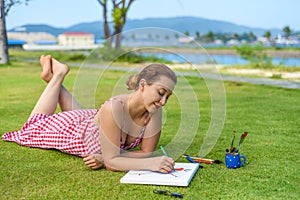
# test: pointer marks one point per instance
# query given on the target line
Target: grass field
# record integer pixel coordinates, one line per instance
(269, 114)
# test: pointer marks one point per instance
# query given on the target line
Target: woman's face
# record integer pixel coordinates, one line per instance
(156, 95)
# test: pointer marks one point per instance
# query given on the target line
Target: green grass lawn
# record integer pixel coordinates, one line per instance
(269, 114)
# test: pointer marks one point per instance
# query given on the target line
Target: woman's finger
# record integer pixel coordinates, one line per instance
(88, 162)
(88, 157)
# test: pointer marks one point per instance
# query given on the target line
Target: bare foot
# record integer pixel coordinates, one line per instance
(59, 69)
(46, 63)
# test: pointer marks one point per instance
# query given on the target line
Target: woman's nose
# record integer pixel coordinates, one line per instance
(163, 101)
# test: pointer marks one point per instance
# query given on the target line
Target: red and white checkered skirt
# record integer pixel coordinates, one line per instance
(73, 132)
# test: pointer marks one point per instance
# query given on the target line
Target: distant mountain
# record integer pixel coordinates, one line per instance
(179, 24)
(95, 28)
(38, 28)
(194, 24)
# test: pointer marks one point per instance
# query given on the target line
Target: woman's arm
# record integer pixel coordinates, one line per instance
(110, 134)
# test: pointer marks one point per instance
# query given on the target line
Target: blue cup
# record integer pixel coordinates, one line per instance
(234, 161)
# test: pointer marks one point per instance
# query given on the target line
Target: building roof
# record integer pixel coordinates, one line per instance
(16, 42)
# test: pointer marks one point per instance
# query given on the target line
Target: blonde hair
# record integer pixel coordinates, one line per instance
(151, 73)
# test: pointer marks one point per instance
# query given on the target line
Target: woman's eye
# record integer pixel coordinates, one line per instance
(161, 94)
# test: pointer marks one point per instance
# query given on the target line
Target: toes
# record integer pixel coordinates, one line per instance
(45, 61)
(42, 59)
(48, 57)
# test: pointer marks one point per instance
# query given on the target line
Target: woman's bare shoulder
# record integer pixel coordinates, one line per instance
(112, 108)
(116, 102)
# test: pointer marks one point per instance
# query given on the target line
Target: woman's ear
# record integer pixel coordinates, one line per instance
(142, 84)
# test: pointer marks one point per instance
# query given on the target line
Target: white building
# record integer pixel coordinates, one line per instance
(186, 39)
(76, 39)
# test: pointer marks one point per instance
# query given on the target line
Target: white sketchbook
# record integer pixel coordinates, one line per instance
(181, 176)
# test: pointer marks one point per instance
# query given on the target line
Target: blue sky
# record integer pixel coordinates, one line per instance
(254, 13)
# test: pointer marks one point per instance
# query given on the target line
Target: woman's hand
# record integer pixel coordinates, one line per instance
(94, 161)
(163, 164)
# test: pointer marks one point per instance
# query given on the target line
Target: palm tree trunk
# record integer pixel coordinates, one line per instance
(4, 58)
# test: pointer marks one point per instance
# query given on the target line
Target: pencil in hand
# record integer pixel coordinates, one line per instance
(164, 151)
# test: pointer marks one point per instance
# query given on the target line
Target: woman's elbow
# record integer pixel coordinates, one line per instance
(110, 166)
(111, 169)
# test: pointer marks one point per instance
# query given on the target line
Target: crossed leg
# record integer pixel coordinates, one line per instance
(55, 93)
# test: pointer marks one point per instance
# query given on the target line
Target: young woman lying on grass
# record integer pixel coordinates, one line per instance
(101, 135)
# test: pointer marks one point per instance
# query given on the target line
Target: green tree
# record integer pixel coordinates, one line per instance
(267, 35)
(198, 35)
(236, 36)
(252, 37)
(287, 31)
(119, 16)
(210, 36)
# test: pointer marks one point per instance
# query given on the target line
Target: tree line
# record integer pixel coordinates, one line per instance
(224, 37)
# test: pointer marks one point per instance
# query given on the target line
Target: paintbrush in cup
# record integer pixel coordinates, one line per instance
(232, 142)
(243, 136)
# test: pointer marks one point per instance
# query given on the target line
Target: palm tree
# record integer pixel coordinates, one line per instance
(252, 37)
(287, 31)
(210, 36)
(4, 58)
(267, 35)
(236, 36)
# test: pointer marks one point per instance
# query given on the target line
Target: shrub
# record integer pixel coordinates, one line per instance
(255, 55)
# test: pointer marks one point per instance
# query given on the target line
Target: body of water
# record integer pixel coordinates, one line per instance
(218, 59)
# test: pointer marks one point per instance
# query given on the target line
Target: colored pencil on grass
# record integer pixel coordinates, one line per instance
(203, 160)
